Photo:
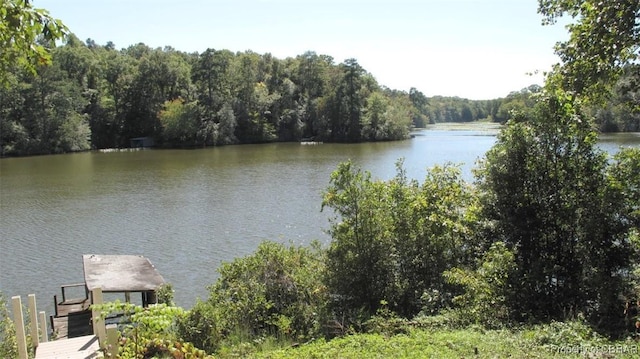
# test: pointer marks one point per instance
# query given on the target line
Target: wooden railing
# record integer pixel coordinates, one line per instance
(76, 285)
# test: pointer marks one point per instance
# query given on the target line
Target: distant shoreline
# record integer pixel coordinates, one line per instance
(465, 126)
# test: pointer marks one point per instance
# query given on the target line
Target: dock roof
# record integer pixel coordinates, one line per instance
(120, 273)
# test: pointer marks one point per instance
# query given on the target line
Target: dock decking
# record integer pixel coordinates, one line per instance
(85, 347)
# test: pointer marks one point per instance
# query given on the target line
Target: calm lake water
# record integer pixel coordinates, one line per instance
(189, 210)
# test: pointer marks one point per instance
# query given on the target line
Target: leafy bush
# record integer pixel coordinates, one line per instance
(166, 295)
(393, 240)
(485, 300)
(386, 322)
(8, 343)
(574, 332)
(434, 301)
(149, 332)
(276, 291)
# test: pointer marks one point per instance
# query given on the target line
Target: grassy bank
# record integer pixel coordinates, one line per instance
(437, 337)
(467, 343)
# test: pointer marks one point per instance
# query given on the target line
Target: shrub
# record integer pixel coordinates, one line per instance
(276, 291)
(393, 240)
(149, 331)
(485, 300)
(166, 295)
(8, 343)
(571, 332)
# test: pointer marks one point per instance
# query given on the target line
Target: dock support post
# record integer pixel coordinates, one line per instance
(18, 320)
(42, 320)
(33, 316)
(98, 323)
(55, 305)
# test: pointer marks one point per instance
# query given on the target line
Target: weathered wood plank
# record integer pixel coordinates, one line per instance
(35, 339)
(85, 347)
(120, 273)
(64, 309)
(18, 321)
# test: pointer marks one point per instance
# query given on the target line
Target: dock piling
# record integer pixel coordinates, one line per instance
(33, 316)
(18, 320)
(42, 320)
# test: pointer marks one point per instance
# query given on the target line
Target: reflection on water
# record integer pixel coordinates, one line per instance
(188, 210)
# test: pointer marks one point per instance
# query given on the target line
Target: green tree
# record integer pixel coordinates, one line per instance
(347, 103)
(622, 111)
(604, 36)
(359, 264)
(624, 179)
(487, 289)
(430, 231)
(373, 118)
(49, 113)
(162, 75)
(13, 134)
(211, 76)
(180, 122)
(109, 109)
(517, 102)
(26, 36)
(393, 240)
(420, 101)
(399, 116)
(545, 194)
(312, 80)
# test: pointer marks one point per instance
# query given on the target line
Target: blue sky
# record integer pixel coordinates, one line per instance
(477, 49)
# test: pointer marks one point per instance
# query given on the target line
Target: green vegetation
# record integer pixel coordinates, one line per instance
(555, 340)
(392, 240)
(94, 96)
(603, 39)
(149, 332)
(97, 97)
(26, 36)
(276, 292)
(8, 343)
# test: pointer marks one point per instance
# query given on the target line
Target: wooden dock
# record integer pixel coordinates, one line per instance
(77, 330)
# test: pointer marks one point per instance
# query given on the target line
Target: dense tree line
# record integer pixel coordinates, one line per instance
(94, 97)
(98, 97)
